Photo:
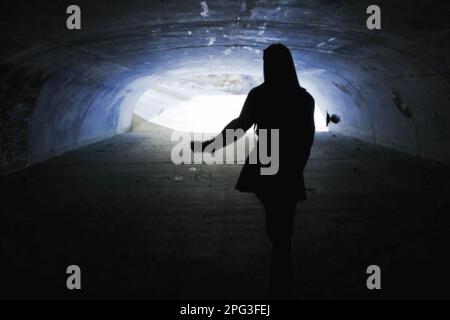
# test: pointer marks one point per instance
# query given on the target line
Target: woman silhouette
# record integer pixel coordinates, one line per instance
(279, 103)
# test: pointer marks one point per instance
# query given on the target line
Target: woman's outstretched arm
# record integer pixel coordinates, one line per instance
(238, 125)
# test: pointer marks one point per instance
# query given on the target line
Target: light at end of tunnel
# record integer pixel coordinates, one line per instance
(202, 113)
(210, 114)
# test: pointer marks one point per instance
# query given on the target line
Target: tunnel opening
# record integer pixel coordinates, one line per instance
(89, 192)
(202, 103)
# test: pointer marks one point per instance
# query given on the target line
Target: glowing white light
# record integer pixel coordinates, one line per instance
(320, 121)
(203, 113)
(208, 113)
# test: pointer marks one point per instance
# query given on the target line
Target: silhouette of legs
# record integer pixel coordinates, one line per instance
(280, 217)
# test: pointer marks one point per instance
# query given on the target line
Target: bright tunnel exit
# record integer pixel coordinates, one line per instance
(203, 103)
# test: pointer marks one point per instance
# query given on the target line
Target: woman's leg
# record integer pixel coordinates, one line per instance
(280, 217)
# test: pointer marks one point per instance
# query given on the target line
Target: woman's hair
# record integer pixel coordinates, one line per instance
(279, 68)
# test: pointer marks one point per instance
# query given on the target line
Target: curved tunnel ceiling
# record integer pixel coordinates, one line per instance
(62, 89)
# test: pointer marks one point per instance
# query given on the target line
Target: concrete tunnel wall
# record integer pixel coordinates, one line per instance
(63, 93)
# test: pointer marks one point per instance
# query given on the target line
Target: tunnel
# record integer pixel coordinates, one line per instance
(85, 123)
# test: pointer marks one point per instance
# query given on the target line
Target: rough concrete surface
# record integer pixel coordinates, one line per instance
(120, 211)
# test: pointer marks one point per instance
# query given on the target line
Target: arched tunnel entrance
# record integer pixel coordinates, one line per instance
(85, 145)
(204, 103)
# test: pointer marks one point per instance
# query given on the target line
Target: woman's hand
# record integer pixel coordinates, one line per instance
(334, 118)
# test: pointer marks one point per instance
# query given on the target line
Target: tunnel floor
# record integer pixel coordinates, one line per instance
(140, 227)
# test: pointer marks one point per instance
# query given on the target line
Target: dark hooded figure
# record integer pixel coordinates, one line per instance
(279, 103)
